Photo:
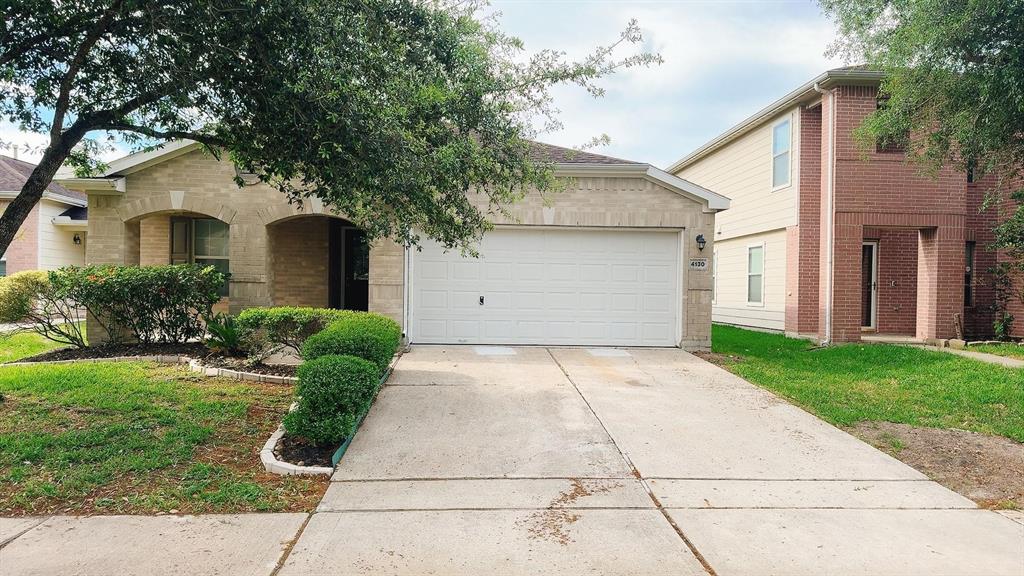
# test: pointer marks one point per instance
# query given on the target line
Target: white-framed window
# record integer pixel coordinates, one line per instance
(782, 144)
(3, 265)
(755, 275)
(714, 276)
(201, 241)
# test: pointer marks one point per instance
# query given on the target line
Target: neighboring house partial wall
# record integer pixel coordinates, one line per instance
(23, 253)
(57, 246)
(804, 239)
(760, 213)
(731, 304)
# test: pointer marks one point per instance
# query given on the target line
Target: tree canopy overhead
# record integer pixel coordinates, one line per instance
(954, 78)
(390, 111)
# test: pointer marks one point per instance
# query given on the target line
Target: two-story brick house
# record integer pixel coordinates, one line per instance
(827, 240)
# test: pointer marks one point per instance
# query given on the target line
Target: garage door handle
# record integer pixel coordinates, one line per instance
(481, 300)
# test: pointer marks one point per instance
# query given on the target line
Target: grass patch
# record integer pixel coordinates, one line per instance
(1008, 350)
(846, 384)
(14, 347)
(139, 438)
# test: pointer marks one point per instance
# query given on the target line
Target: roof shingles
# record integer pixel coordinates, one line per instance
(14, 173)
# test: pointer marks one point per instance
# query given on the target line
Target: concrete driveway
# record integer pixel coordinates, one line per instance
(491, 460)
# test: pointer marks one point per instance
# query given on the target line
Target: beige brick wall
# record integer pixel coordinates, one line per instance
(299, 258)
(155, 240)
(274, 257)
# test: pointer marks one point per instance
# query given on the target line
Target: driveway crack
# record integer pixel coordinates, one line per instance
(636, 473)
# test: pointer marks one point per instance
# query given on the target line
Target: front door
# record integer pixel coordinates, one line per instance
(869, 285)
(349, 267)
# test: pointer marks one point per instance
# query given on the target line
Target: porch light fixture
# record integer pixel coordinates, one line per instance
(701, 242)
(77, 240)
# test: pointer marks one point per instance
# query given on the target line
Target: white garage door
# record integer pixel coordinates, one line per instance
(550, 286)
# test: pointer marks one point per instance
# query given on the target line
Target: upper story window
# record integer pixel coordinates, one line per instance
(782, 140)
(202, 241)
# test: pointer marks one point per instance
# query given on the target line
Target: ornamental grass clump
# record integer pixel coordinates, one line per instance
(334, 392)
(365, 335)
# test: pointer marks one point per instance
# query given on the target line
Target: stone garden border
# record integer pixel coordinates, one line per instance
(193, 365)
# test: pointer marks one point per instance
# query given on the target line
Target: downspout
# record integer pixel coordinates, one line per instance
(830, 210)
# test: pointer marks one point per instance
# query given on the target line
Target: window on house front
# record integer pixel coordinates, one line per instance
(971, 167)
(969, 275)
(714, 276)
(203, 241)
(3, 266)
(755, 274)
(781, 143)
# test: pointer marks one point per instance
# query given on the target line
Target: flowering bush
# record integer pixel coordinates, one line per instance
(146, 303)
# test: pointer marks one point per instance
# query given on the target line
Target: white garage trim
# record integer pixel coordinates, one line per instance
(549, 285)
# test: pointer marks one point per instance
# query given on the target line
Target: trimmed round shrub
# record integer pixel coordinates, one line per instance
(286, 326)
(333, 393)
(365, 335)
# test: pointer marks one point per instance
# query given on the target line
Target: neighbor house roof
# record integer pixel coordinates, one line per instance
(848, 75)
(567, 162)
(14, 173)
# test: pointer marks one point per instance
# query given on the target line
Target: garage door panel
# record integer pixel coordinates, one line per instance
(546, 286)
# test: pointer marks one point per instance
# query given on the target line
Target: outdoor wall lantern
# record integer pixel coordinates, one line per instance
(701, 242)
(77, 240)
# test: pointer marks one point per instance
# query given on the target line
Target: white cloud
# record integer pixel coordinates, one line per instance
(29, 146)
(723, 61)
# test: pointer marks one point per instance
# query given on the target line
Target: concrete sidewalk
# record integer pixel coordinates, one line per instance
(569, 461)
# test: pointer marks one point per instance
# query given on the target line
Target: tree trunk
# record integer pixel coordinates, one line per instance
(18, 210)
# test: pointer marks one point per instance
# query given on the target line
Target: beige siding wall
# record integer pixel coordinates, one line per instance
(731, 305)
(57, 245)
(742, 171)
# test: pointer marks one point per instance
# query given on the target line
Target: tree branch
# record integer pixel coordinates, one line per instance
(207, 139)
(61, 107)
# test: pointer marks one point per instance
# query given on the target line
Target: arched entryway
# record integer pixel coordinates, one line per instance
(318, 260)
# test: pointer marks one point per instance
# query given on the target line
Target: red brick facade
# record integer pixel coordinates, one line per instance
(921, 223)
(23, 253)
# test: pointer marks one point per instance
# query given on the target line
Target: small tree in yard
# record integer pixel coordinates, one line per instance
(955, 80)
(390, 111)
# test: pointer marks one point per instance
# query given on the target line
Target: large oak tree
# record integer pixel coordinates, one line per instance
(390, 111)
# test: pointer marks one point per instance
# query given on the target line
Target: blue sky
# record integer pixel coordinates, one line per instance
(723, 62)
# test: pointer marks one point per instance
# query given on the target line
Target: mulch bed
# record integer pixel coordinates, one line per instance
(192, 349)
(237, 364)
(297, 451)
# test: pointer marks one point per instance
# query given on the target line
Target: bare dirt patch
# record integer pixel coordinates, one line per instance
(986, 469)
(723, 360)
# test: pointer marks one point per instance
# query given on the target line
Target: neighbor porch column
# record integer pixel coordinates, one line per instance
(387, 280)
(940, 280)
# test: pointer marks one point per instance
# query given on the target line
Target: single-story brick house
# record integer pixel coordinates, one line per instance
(823, 242)
(613, 259)
(54, 234)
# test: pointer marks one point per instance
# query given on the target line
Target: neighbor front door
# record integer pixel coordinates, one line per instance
(869, 285)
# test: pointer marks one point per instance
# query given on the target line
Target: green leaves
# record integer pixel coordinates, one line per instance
(390, 111)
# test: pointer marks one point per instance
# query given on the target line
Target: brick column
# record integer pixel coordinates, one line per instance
(111, 241)
(846, 279)
(387, 279)
(697, 299)
(250, 284)
(940, 273)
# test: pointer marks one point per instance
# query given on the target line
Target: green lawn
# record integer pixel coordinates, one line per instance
(22, 345)
(852, 383)
(1008, 350)
(139, 438)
